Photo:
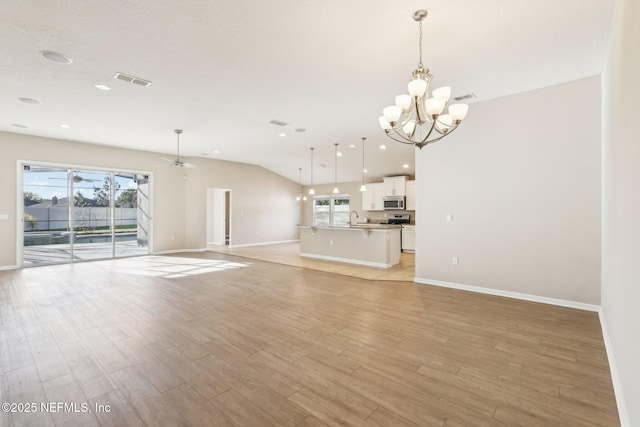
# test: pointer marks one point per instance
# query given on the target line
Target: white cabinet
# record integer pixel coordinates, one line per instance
(411, 196)
(372, 199)
(395, 186)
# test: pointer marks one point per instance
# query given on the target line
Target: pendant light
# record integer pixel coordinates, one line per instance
(363, 187)
(335, 170)
(299, 195)
(311, 190)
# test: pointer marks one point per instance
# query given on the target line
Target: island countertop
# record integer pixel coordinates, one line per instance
(376, 245)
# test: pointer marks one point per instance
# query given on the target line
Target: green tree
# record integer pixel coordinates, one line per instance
(31, 198)
(127, 197)
(102, 194)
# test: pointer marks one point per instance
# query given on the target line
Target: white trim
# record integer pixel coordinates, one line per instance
(177, 251)
(8, 267)
(262, 243)
(347, 260)
(615, 377)
(509, 294)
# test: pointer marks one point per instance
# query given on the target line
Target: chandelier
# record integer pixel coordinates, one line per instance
(417, 118)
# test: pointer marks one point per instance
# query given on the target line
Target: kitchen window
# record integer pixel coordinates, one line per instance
(331, 210)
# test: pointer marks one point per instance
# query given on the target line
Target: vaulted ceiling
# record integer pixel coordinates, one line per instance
(223, 70)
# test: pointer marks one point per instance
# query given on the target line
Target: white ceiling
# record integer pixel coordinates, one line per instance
(222, 70)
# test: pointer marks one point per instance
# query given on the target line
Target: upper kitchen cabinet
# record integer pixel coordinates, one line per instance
(372, 199)
(410, 204)
(395, 186)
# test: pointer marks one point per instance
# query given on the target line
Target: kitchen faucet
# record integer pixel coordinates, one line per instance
(351, 216)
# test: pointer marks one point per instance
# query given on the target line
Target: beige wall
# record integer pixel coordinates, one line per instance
(621, 205)
(263, 203)
(521, 178)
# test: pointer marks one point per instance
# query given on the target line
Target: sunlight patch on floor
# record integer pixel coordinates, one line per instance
(171, 267)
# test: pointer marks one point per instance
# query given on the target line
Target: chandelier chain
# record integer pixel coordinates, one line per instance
(420, 45)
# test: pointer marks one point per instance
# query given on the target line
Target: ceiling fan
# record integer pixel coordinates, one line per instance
(177, 162)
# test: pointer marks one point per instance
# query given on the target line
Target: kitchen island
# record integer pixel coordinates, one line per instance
(365, 244)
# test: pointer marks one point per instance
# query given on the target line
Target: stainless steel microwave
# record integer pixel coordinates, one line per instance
(393, 202)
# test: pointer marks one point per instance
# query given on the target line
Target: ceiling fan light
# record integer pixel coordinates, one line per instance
(458, 111)
(403, 101)
(434, 106)
(384, 123)
(443, 92)
(417, 87)
(392, 113)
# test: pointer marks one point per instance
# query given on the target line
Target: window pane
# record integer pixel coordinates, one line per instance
(341, 210)
(321, 211)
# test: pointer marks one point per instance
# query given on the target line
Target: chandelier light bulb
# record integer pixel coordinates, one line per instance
(392, 113)
(384, 123)
(415, 119)
(458, 111)
(434, 106)
(403, 101)
(417, 87)
(443, 92)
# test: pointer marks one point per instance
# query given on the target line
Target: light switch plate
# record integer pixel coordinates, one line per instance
(449, 217)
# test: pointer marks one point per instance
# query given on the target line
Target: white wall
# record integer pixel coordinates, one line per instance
(264, 207)
(522, 179)
(621, 205)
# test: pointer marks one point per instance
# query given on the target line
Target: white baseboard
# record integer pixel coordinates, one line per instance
(245, 245)
(615, 377)
(8, 267)
(509, 294)
(347, 260)
(177, 251)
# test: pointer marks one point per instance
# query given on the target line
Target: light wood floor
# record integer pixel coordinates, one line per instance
(215, 340)
(289, 254)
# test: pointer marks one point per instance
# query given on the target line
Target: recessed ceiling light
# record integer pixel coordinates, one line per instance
(65, 126)
(383, 147)
(216, 151)
(364, 170)
(406, 166)
(17, 125)
(339, 153)
(282, 134)
(55, 57)
(29, 101)
(352, 145)
(103, 87)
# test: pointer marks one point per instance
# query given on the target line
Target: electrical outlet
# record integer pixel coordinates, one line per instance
(454, 260)
(449, 217)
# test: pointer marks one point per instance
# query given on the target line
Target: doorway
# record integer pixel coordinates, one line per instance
(77, 214)
(218, 216)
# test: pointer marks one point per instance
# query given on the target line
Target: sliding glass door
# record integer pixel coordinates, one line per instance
(76, 214)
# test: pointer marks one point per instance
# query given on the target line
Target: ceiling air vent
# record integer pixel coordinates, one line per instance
(278, 123)
(131, 79)
(463, 97)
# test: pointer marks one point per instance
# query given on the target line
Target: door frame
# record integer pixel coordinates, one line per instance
(218, 216)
